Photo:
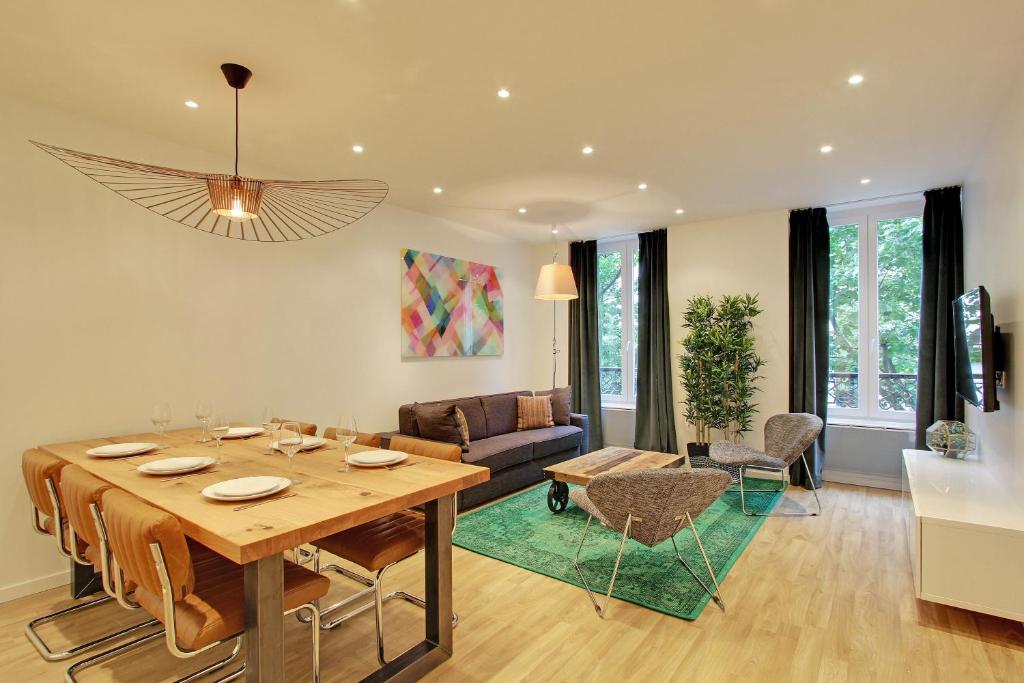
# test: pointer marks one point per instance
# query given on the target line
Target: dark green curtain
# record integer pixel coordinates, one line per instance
(584, 355)
(655, 417)
(808, 328)
(942, 281)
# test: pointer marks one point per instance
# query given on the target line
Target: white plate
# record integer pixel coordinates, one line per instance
(119, 450)
(176, 465)
(376, 458)
(242, 432)
(308, 443)
(246, 488)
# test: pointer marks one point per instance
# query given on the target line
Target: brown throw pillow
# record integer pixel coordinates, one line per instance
(534, 412)
(561, 404)
(437, 421)
(460, 420)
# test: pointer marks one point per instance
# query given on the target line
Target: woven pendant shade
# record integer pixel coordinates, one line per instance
(237, 199)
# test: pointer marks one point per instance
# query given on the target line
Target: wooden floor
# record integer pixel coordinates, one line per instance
(825, 599)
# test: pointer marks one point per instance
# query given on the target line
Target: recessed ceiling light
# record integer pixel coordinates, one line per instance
(521, 209)
(438, 190)
(554, 231)
(358, 149)
(588, 150)
(504, 93)
(865, 181)
(642, 186)
(855, 79)
(191, 104)
(680, 211)
(826, 149)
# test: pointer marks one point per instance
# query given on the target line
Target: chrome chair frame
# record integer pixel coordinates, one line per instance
(68, 547)
(782, 475)
(602, 610)
(373, 588)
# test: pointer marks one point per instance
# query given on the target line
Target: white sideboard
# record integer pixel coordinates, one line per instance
(965, 532)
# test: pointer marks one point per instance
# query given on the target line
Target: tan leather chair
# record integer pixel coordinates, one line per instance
(307, 428)
(43, 476)
(378, 545)
(201, 603)
(362, 438)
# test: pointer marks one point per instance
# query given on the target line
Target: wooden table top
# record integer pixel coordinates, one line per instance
(327, 501)
(612, 459)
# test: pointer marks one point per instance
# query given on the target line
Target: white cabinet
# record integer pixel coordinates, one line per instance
(965, 535)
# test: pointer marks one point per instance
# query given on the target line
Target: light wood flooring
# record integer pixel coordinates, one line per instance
(826, 599)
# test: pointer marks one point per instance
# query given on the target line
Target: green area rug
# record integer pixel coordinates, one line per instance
(522, 531)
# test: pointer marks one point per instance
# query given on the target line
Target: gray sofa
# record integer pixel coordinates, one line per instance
(515, 459)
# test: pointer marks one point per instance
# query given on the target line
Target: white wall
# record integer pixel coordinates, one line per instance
(109, 309)
(993, 244)
(737, 255)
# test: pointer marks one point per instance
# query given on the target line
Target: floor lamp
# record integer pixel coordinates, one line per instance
(555, 283)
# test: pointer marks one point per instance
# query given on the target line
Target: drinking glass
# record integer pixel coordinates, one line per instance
(270, 425)
(203, 413)
(288, 438)
(346, 433)
(219, 425)
(161, 417)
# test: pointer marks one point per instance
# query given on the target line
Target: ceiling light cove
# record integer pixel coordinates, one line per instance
(438, 190)
(191, 104)
(826, 149)
(587, 151)
(865, 181)
(504, 93)
(680, 212)
(642, 186)
(855, 79)
(358, 149)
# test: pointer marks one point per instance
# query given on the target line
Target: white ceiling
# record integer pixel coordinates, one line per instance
(720, 106)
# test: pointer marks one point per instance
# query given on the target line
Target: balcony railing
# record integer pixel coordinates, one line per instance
(896, 391)
(611, 381)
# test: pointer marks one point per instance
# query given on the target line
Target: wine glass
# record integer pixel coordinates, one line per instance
(203, 413)
(219, 425)
(269, 424)
(161, 417)
(346, 433)
(288, 439)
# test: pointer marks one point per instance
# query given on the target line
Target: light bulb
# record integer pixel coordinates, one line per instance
(236, 208)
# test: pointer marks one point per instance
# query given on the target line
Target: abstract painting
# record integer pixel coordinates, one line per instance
(450, 307)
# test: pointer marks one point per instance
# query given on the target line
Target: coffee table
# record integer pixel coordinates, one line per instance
(612, 459)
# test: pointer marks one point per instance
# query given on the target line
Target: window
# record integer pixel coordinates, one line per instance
(874, 312)
(617, 298)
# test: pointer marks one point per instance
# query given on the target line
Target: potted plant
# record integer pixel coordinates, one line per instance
(719, 367)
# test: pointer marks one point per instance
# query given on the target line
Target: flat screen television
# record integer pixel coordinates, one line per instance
(978, 356)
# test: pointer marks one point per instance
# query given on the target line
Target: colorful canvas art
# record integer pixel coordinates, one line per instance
(450, 307)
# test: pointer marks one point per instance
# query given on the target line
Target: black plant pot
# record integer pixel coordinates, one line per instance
(699, 456)
(697, 450)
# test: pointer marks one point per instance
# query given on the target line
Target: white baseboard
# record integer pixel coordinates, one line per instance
(875, 481)
(36, 585)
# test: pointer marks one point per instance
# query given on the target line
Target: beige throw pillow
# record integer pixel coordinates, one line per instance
(533, 412)
(460, 420)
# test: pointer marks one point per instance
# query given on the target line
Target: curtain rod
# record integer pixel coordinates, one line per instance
(916, 193)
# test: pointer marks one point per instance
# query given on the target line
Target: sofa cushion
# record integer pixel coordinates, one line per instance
(551, 440)
(499, 452)
(475, 418)
(500, 410)
(436, 421)
(561, 403)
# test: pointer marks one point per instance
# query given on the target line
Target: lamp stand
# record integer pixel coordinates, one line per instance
(554, 342)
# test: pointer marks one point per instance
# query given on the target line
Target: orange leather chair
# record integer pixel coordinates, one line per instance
(43, 477)
(307, 428)
(362, 438)
(378, 545)
(200, 601)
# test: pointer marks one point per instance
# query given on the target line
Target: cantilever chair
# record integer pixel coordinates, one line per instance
(362, 438)
(651, 507)
(200, 601)
(786, 437)
(50, 516)
(379, 545)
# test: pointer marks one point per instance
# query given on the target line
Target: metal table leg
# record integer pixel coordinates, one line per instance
(264, 620)
(415, 662)
(84, 580)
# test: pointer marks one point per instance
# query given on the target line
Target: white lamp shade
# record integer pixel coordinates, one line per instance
(556, 283)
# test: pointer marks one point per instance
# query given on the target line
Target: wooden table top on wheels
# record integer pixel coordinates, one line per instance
(612, 459)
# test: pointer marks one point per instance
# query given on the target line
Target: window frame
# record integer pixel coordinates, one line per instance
(867, 217)
(625, 246)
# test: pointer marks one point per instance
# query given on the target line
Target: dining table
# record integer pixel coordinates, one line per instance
(257, 535)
